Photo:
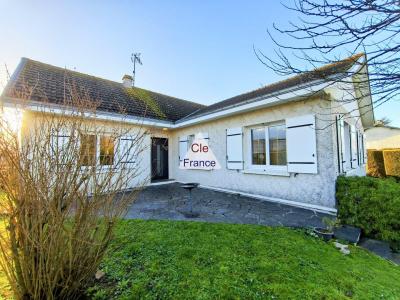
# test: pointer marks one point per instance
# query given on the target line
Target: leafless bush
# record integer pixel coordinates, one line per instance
(60, 197)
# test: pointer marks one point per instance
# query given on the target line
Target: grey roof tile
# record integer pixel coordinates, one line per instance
(339, 67)
(42, 82)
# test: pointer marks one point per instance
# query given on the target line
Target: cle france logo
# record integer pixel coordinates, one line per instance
(199, 156)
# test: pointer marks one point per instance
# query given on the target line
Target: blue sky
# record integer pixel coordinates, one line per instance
(195, 50)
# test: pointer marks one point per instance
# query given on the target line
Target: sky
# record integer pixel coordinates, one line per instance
(195, 50)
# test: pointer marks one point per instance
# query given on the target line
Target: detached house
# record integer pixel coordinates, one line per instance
(286, 142)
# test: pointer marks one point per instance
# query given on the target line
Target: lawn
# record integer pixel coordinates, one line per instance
(192, 260)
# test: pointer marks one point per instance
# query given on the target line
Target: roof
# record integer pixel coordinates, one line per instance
(47, 83)
(54, 85)
(339, 67)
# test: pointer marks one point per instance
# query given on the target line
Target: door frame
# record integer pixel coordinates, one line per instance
(166, 177)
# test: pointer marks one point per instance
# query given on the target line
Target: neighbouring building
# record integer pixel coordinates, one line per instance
(383, 137)
(287, 142)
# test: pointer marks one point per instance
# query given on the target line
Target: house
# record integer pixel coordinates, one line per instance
(383, 137)
(285, 142)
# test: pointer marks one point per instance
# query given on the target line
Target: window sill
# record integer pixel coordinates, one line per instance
(283, 173)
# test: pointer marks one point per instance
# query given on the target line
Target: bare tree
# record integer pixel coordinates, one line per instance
(60, 199)
(328, 30)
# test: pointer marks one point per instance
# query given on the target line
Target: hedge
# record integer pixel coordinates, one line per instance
(392, 162)
(376, 165)
(373, 204)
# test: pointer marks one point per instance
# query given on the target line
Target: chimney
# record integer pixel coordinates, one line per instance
(127, 81)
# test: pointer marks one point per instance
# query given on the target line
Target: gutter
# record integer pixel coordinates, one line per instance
(280, 97)
(257, 103)
(37, 106)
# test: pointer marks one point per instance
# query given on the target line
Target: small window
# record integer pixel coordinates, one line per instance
(277, 145)
(88, 150)
(258, 153)
(106, 151)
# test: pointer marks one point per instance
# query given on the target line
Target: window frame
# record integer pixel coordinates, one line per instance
(97, 151)
(97, 164)
(267, 166)
(253, 166)
(98, 154)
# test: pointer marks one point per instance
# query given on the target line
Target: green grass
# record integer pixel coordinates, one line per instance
(191, 260)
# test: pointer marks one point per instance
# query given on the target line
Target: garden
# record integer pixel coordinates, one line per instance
(58, 243)
(194, 260)
(186, 260)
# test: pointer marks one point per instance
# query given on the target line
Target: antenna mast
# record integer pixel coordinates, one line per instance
(135, 58)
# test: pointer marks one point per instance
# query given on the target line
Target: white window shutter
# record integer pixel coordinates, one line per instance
(204, 135)
(126, 150)
(301, 144)
(234, 148)
(343, 145)
(354, 150)
(364, 149)
(359, 148)
(183, 146)
(59, 144)
(339, 142)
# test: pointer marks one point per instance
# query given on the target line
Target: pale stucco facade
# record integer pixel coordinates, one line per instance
(308, 188)
(332, 115)
(315, 189)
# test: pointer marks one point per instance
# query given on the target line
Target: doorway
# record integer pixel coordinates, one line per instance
(159, 158)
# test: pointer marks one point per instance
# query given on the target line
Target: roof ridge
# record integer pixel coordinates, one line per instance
(69, 70)
(104, 79)
(308, 77)
(318, 69)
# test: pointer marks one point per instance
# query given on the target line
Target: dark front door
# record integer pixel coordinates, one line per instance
(159, 158)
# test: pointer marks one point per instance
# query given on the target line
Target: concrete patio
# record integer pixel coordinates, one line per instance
(169, 201)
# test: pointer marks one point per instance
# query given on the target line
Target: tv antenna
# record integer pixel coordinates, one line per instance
(135, 58)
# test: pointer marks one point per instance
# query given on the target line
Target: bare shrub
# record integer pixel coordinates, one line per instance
(60, 198)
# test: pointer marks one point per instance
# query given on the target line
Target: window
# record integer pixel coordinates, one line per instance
(268, 146)
(258, 156)
(106, 151)
(277, 145)
(59, 145)
(88, 150)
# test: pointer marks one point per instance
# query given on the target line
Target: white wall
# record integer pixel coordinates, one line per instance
(143, 159)
(317, 189)
(344, 102)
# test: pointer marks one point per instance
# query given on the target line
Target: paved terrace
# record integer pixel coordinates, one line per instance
(168, 201)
